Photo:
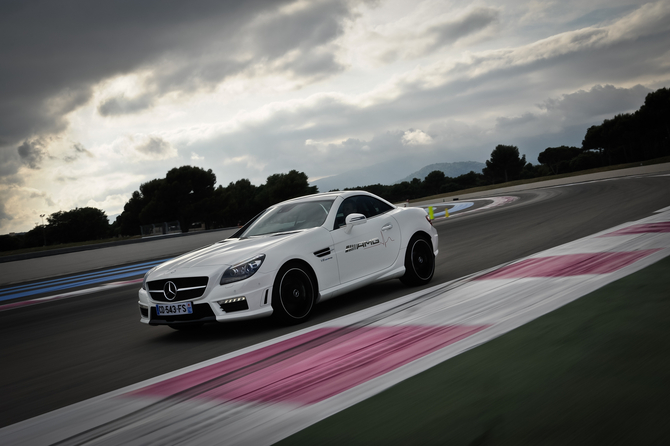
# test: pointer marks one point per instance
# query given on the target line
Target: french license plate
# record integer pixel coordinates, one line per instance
(173, 309)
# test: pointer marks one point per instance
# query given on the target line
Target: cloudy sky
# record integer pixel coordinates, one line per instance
(98, 97)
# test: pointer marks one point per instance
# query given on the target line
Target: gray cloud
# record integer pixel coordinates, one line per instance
(121, 105)
(54, 52)
(312, 26)
(78, 151)
(316, 65)
(154, 147)
(10, 162)
(190, 74)
(32, 153)
(65, 179)
(43, 195)
(599, 101)
(4, 215)
(502, 122)
(600, 15)
(473, 22)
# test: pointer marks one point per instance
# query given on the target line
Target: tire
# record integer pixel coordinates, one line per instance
(293, 294)
(419, 261)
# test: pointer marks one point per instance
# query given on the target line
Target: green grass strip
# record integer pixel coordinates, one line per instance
(596, 371)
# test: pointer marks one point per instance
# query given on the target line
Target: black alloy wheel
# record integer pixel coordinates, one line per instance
(293, 294)
(419, 261)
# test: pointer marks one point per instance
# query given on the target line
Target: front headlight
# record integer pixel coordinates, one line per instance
(242, 270)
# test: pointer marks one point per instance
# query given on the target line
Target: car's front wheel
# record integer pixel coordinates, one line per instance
(419, 261)
(293, 294)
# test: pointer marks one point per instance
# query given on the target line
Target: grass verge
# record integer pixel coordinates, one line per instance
(596, 371)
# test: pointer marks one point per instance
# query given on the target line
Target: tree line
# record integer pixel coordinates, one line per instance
(189, 194)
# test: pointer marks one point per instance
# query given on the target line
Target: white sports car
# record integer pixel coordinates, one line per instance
(290, 257)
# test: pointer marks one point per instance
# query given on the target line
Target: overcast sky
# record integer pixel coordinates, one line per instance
(98, 97)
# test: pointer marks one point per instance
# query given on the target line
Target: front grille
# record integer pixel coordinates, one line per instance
(187, 288)
(201, 312)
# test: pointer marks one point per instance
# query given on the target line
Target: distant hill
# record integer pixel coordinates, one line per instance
(382, 173)
(450, 170)
(388, 172)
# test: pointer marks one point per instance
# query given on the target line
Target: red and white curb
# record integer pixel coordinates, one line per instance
(267, 392)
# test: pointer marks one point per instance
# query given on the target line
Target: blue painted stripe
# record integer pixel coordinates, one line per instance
(460, 206)
(65, 282)
(134, 267)
(49, 286)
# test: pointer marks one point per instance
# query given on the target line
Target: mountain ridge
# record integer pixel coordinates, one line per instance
(387, 173)
(449, 169)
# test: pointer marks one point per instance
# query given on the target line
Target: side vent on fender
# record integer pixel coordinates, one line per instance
(322, 252)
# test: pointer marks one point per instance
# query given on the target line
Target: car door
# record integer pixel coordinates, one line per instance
(369, 247)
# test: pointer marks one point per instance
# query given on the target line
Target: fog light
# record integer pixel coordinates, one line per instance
(234, 304)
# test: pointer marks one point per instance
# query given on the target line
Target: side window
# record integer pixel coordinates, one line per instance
(363, 204)
(348, 206)
(372, 206)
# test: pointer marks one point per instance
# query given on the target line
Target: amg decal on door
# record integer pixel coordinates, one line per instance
(362, 245)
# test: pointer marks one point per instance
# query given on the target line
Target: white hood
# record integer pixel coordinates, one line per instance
(221, 254)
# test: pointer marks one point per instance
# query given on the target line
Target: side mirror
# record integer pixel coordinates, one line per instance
(354, 220)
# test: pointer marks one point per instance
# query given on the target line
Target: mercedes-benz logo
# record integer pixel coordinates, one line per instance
(170, 290)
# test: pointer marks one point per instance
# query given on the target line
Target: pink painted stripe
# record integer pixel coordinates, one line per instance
(311, 367)
(569, 265)
(13, 305)
(641, 229)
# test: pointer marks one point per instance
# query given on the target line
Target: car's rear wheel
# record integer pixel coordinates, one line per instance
(293, 293)
(419, 261)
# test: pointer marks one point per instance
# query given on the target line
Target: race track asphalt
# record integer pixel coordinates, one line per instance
(59, 353)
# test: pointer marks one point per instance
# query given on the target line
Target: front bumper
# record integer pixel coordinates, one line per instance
(247, 299)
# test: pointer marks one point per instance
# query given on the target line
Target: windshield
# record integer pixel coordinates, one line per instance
(290, 217)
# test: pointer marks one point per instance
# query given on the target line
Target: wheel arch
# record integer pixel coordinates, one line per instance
(308, 268)
(420, 233)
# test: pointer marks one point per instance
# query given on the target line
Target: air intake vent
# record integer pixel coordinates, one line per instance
(322, 252)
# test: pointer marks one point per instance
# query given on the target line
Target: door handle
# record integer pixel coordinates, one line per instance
(387, 226)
